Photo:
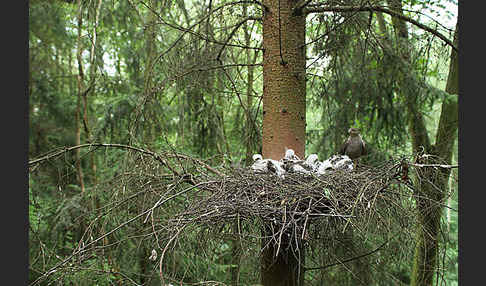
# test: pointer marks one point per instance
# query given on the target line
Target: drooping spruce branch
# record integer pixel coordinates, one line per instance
(191, 31)
(155, 155)
(323, 9)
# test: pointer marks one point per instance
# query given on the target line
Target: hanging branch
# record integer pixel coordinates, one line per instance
(81, 94)
(322, 9)
(189, 30)
(232, 33)
(128, 147)
(199, 35)
(435, 166)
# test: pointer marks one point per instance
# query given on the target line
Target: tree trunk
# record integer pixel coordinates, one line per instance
(236, 252)
(149, 37)
(447, 129)
(80, 79)
(432, 184)
(92, 75)
(284, 109)
(433, 190)
(250, 138)
(284, 268)
(283, 80)
(409, 83)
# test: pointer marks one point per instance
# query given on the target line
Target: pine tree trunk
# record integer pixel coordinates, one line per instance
(283, 80)
(284, 109)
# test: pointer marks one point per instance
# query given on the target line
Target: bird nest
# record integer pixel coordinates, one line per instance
(287, 211)
(243, 194)
(163, 198)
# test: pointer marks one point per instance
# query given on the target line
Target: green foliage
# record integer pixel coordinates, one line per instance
(168, 90)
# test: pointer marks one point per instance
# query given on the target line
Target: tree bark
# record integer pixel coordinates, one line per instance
(408, 83)
(447, 129)
(284, 268)
(283, 80)
(431, 184)
(92, 75)
(433, 189)
(80, 79)
(251, 144)
(284, 109)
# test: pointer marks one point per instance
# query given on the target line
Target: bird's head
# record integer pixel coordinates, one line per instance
(289, 153)
(257, 157)
(312, 159)
(353, 131)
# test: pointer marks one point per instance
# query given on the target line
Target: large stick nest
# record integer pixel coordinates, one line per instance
(290, 209)
(166, 197)
(291, 201)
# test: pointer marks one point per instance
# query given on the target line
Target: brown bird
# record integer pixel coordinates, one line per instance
(354, 147)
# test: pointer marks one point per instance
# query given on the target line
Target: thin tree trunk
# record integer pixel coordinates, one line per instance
(431, 185)
(409, 84)
(221, 102)
(80, 79)
(92, 75)
(149, 35)
(236, 242)
(432, 191)
(381, 24)
(250, 132)
(236, 252)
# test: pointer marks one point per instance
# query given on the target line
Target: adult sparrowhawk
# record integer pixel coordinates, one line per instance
(354, 147)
